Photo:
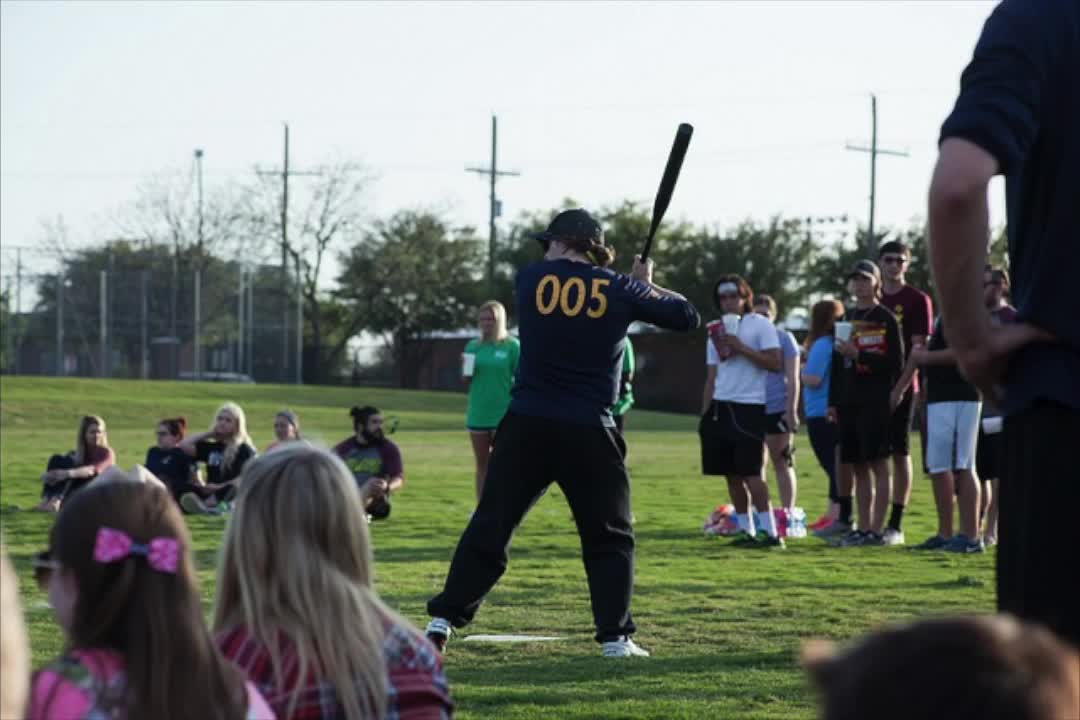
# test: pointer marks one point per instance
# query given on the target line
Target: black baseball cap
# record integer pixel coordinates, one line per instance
(576, 224)
(867, 268)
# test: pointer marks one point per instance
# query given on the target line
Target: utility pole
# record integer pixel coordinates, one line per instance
(198, 163)
(285, 173)
(493, 173)
(874, 150)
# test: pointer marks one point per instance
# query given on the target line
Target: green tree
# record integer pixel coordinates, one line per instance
(412, 275)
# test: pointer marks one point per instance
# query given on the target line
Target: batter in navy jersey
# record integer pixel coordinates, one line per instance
(573, 313)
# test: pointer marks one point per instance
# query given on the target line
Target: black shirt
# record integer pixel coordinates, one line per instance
(172, 467)
(212, 452)
(871, 377)
(572, 326)
(944, 383)
(1020, 101)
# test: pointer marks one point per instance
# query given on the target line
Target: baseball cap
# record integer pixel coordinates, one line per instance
(576, 224)
(866, 268)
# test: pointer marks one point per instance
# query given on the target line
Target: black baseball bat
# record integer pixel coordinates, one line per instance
(667, 183)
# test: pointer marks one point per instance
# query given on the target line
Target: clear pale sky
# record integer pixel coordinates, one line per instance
(96, 96)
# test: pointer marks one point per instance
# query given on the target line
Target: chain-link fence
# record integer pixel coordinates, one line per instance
(227, 321)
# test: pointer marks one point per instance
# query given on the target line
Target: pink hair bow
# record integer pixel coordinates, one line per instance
(161, 553)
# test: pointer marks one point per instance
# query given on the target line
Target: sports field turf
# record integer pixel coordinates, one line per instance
(723, 624)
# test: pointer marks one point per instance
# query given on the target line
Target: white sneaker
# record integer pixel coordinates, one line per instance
(438, 632)
(893, 537)
(623, 647)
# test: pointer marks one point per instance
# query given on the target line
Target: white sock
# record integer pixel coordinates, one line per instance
(767, 522)
(743, 522)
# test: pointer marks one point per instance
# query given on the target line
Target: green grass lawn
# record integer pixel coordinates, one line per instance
(723, 624)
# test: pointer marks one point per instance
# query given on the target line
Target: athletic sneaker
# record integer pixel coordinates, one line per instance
(438, 632)
(743, 539)
(961, 544)
(893, 536)
(852, 539)
(623, 647)
(934, 542)
(764, 540)
(872, 538)
(834, 531)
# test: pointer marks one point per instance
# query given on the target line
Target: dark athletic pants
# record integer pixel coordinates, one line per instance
(824, 439)
(64, 489)
(587, 463)
(1037, 542)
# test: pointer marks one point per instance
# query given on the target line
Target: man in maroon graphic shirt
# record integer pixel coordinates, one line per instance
(914, 311)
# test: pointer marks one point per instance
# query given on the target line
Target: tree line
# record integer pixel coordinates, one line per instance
(399, 277)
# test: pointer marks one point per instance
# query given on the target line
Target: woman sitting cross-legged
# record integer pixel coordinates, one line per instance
(65, 474)
(225, 448)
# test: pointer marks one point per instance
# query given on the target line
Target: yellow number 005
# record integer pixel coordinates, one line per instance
(560, 296)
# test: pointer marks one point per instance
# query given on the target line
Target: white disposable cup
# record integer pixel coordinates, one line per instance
(843, 331)
(468, 364)
(731, 324)
(992, 425)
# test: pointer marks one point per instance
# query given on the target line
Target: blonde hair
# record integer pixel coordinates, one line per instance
(240, 437)
(14, 651)
(297, 565)
(499, 312)
(88, 421)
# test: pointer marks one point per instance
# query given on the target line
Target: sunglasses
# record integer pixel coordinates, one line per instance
(44, 566)
(893, 260)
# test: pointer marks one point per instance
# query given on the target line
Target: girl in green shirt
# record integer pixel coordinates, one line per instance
(488, 367)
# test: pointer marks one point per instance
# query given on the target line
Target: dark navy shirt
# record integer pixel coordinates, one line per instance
(572, 325)
(1020, 101)
(172, 467)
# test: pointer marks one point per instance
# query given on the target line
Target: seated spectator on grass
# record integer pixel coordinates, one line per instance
(14, 650)
(296, 608)
(224, 449)
(967, 668)
(121, 580)
(65, 474)
(374, 459)
(167, 461)
(286, 428)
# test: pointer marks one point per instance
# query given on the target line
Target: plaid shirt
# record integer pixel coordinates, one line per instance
(418, 689)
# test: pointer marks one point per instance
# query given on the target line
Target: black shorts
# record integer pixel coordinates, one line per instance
(988, 455)
(732, 439)
(775, 424)
(864, 432)
(900, 426)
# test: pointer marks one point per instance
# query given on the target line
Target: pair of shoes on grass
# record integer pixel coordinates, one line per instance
(439, 630)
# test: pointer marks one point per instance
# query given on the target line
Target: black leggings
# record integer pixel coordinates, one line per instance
(61, 490)
(824, 439)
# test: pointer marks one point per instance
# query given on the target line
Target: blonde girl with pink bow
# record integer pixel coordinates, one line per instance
(121, 582)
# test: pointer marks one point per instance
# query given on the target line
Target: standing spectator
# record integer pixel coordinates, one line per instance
(989, 453)
(626, 386)
(781, 408)
(489, 367)
(167, 461)
(65, 474)
(296, 607)
(815, 381)
(573, 314)
(914, 311)
(1017, 114)
(869, 365)
(286, 428)
(732, 427)
(374, 459)
(952, 410)
(121, 581)
(225, 448)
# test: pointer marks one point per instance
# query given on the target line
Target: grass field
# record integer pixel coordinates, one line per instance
(723, 624)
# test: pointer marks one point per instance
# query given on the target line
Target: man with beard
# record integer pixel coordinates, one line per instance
(375, 461)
